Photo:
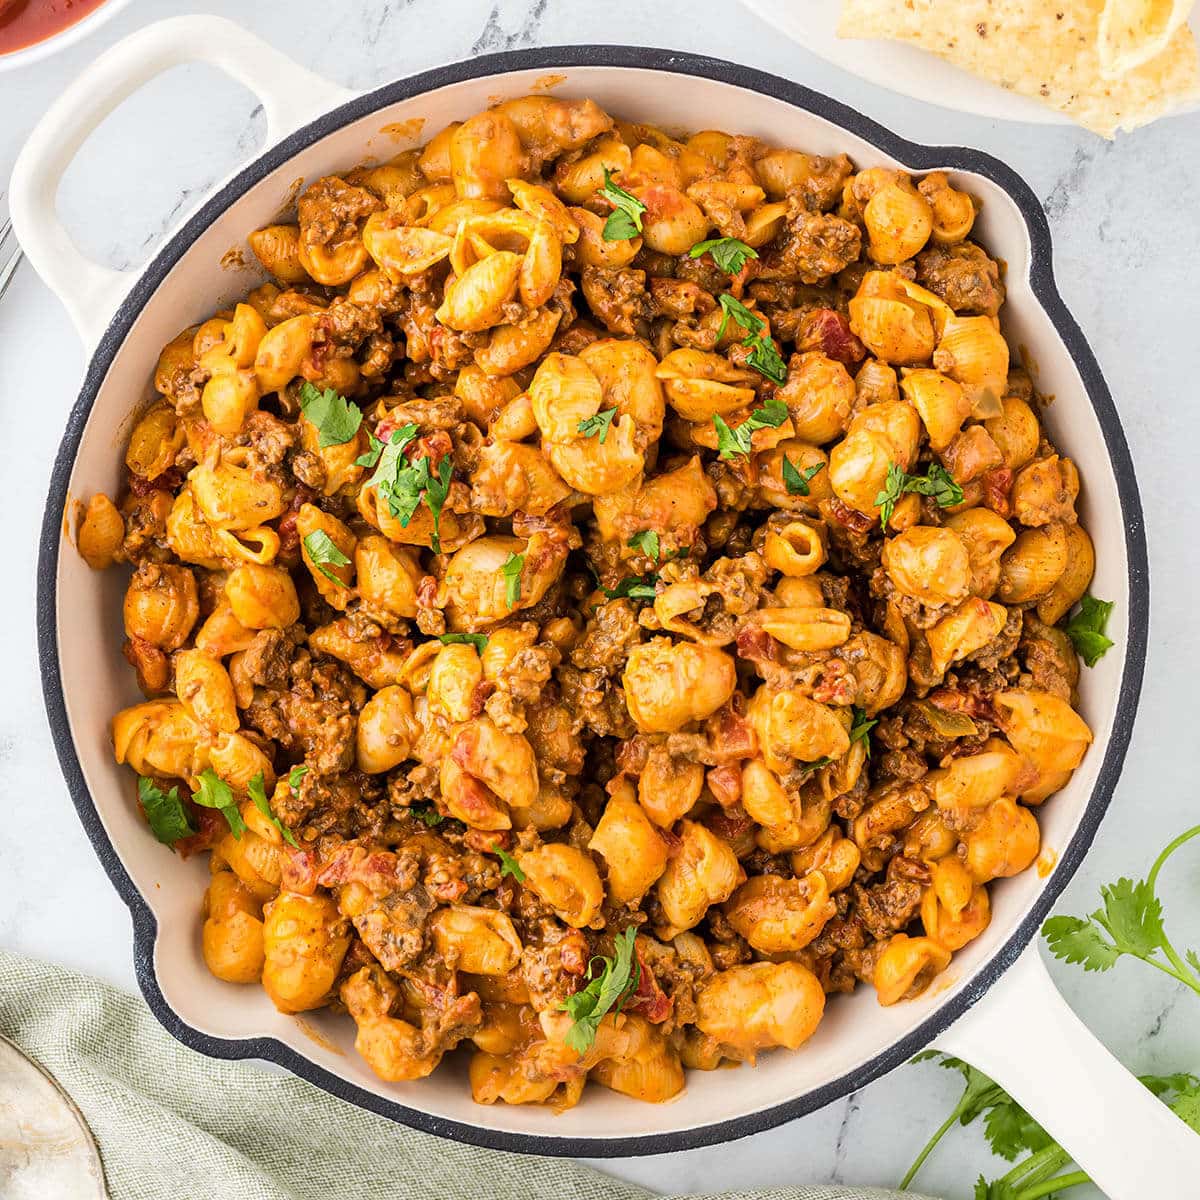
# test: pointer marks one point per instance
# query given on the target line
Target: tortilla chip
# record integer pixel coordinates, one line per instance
(1046, 49)
(1133, 32)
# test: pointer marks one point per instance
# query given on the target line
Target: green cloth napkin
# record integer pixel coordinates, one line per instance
(174, 1125)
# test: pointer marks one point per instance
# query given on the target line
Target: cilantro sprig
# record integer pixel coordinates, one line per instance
(728, 253)
(633, 587)
(336, 418)
(764, 357)
(511, 570)
(323, 552)
(428, 816)
(166, 813)
(611, 982)
(295, 775)
(936, 482)
(388, 460)
(478, 640)
(735, 443)
(598, 425)
(256, 789)
(625, 220)
(214, 792)
(1007, 1126)
(403, 484)
(1011, 1132)
(508, 864)
(796, 481)
(1086, 629)
(1129, 923)
(860, 728)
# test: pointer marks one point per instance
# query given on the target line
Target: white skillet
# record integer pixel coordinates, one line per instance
(1021, 1031)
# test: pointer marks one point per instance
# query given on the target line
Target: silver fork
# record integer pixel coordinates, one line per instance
(10, 251)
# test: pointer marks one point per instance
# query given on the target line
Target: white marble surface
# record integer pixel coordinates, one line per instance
(1127, 240)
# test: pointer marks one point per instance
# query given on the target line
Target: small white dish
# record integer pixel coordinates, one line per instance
(65, 37)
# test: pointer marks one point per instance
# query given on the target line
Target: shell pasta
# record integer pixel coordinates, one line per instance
(602, 595)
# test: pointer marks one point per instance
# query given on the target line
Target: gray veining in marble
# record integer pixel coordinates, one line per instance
(1127, 243)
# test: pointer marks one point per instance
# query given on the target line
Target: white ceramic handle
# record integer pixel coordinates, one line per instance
(290, 96)
(1025, 1036)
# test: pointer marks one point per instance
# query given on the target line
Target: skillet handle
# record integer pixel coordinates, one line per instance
(290, 96)
(1025, 1036)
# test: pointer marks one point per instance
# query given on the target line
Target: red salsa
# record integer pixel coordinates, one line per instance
(26, 22)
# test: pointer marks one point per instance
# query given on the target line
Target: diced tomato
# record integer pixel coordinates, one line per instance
(648, 999)
(829, 331)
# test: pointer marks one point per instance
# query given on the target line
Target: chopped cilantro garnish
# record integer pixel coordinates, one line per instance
(728, 253)
(165, 812)
(214, 792)
(625, 221)
(734, 443)
(336, 418)
(323, 553)
(796, 481)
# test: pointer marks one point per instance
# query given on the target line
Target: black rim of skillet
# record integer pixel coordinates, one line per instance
(915, 156)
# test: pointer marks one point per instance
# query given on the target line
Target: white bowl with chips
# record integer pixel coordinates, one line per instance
(916, 72)
(1020, 1031)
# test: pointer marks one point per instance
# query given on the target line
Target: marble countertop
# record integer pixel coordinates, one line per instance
(1126, 242)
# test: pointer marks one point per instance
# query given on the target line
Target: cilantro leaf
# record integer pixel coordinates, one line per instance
(647, 542)
(893, 488)
(796, 481)
(295, 775)
(508, 864)
(735, 443)
(597, 425)
(633, 587)
(256, 789)
(765, 358)
(478, 640)
(1086, 629)
(1186, 1107)
(748, 320)
(1164, 1086)
(426, 815)
(861, 727)
(625, 221)
(1010, 1130)
(391, 467)
(607, 992)
(437, 488)
(374, 450)
(511, 570)
(322, 551)
(1132, 916)
(936, 482)
(728, 253)
(336, 418)
(214, 792)
(165, 812)
(819, 764)
(403, 484)
(1077, 940)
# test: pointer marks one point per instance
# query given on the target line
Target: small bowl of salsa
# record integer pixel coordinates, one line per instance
(32, 29)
